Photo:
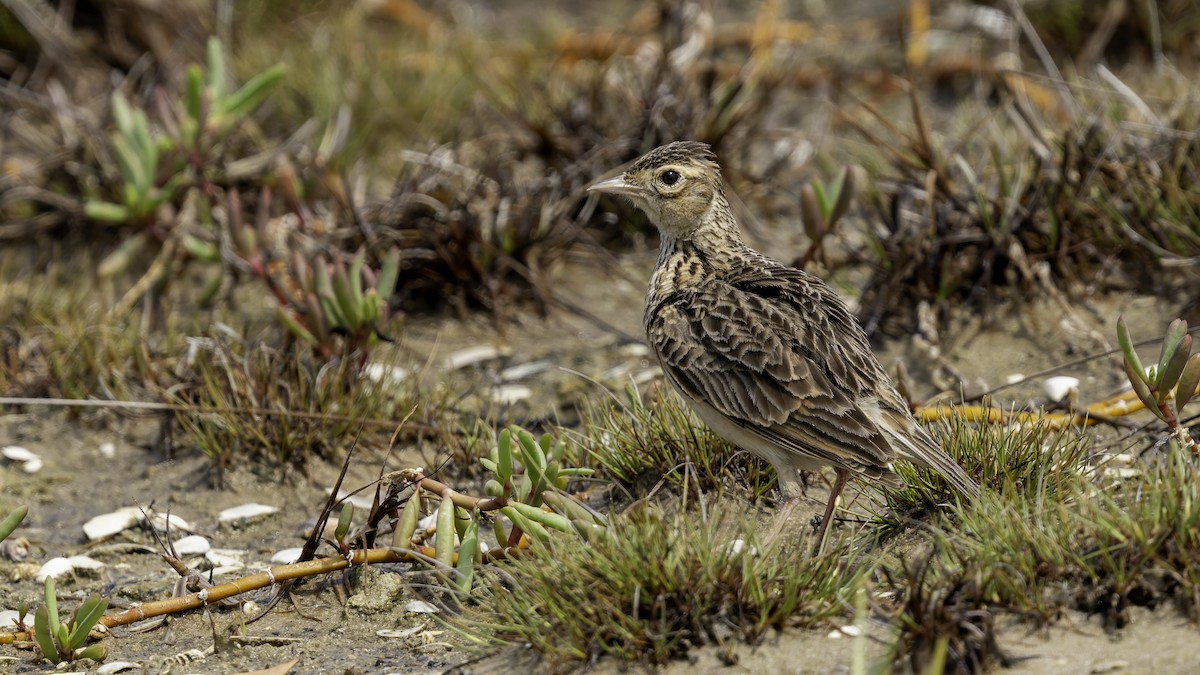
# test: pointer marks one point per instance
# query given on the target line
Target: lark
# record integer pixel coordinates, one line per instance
(768, 356)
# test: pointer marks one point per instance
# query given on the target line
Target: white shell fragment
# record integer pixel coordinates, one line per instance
(287, 556)
(361, 500)
(225, 557)
(30, 462)
(16, 453)
(108, 524)
(509, 394)
(192, 544)
(117, 667)
(108, 450)
(178, 524)
(8, 618)
(847, 631)
(400, 633)
(471, 356)
(82, 562)
(524, 370)
(1013, 378)
(57, 567)
(1057, 388)
(245, 512)
(421, 607)
(385, 374)
(635, 349)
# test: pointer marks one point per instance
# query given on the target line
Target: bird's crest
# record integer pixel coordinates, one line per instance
(679, 152)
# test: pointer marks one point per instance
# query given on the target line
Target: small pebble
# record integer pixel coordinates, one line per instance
(15, 549)
(1013, 378)
(108, 450)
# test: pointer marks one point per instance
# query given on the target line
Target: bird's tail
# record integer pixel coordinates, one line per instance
(915, 444)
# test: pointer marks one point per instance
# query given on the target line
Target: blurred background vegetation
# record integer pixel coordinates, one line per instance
(309, 174)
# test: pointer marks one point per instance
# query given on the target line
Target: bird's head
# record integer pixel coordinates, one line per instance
(675, 184)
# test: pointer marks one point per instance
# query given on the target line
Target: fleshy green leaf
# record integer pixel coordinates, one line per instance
(244, 101)
(106, 212)
(216, 69)
(344, 520)
(504, 461)
(844, 189)
(1133, 363)
(42, 635)
(122, 114)
(547, 518)
(85, 619)
(528, 526)
(388, 274)
(96, 652)
(443, 547)
(289, 321)
(409, 517)
(12, 520)
(810, 213)
(50, 598)
(193, 97)
(1168, 373)
(1188, 381)
(1142, 389)
(466, 556)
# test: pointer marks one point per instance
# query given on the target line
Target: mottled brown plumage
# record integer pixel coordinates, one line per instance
(768, 355)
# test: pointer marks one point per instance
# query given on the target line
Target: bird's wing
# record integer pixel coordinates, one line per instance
(781, 357)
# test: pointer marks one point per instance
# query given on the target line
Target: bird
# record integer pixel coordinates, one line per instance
(767, 355)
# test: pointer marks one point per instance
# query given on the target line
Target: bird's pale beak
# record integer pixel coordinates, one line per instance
(617, 186)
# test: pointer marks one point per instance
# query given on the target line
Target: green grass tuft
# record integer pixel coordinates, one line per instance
(656, 586)
(647, 438)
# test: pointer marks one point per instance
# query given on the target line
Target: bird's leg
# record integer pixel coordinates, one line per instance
(838, 484)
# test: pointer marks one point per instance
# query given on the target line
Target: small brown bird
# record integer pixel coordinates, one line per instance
(767, 355)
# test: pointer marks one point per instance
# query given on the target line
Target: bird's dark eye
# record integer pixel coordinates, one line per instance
(669, 177)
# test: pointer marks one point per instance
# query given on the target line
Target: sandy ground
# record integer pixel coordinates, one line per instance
(77, 482)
